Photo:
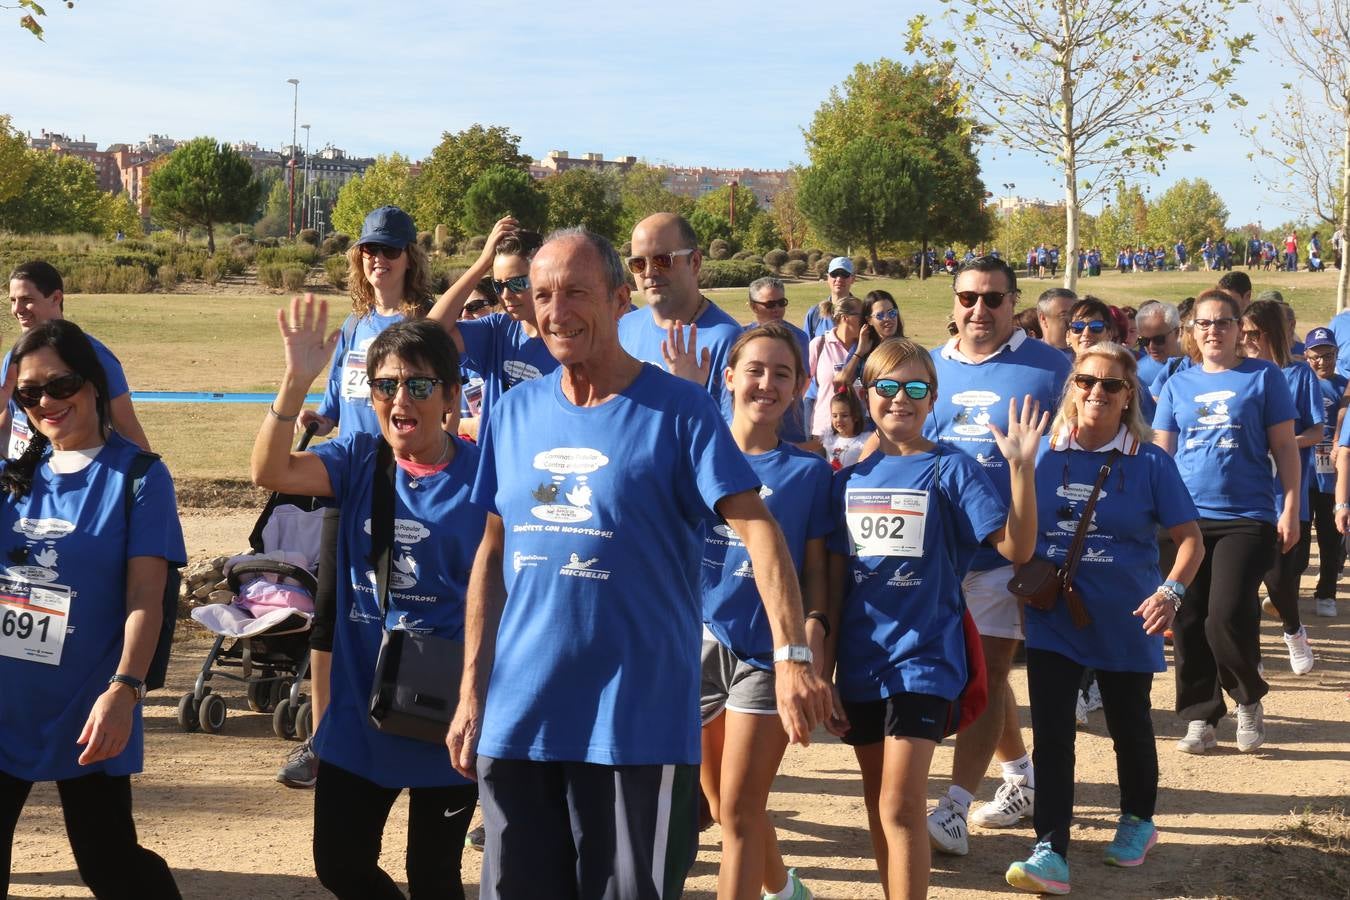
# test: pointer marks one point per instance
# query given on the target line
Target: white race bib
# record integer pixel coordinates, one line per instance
(886, 521)
(355, 382)
(19, 435)
(33, 620)
(1322, 458)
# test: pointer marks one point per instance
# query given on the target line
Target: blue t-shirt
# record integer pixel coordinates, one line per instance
(1307, 394)
(717, 331)
(1119, 565)
(604, 509)
(795, 486)
(1220, 420)
(1324, 469)
(1148, 369)
(68, 549)
(346, 399)
(19, 429)
(972, 394)
(793, 426)
(497, 347)
(436, 534)
(900, 628)
(1340, 327)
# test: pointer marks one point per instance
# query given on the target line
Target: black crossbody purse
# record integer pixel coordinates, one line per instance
(416, 685)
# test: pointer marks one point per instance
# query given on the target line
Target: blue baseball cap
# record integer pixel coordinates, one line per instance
(840, 262)
(1320, 337)
(388, 225)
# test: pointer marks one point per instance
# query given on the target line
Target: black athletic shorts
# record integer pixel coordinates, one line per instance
(901, 715)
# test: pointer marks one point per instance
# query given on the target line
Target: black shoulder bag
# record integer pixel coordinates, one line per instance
(159, 663)
(416, 685)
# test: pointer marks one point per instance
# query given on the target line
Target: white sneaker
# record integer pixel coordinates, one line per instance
(947, 828)
(1326, 606)
(1080, 710)
(1300, 654)
(1251, 727)
(1094, 697)
(1013, 802)
(1199, 738)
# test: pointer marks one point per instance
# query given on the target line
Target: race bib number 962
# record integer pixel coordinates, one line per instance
(33, 621)
(886, 521)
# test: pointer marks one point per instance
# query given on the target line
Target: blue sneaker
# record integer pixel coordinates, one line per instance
(1044, 872)
(799, 890)
(1134, 838)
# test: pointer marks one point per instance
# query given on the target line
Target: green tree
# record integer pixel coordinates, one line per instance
(1104, 89)
(867, 193)
(60, 195)
(388, 182)
(916, 111)
(644, 193)
(502, 192)
(1189, 211)
(762, 234)
(583, 197)
(457, 162)
(711, 215)
(117, 214)
(15, 163)
(788, 219)
(204, 183)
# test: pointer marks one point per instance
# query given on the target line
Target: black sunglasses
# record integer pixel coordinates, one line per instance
(517, 284)
(1158, 340)
(889, 387)
(1111, 385)
(992, 299)
(419, 388)
(780, 303)
(1096, 327)
(474, 306)
(384, 250)
(59, 388)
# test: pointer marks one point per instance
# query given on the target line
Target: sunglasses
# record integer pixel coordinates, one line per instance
(889, 387)
(1250, 334)
(1158, 340)
(780, 303)
(59, 388)
(419, 388)
(1221, 324)
(1096, 327)
(517, 284)
(388, 252)
(1111, 385)
(992, 299)
(887, 315)
(474, 306)
(639, 264)
(840, 273)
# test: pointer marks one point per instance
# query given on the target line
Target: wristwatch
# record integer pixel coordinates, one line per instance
(134, 683)
(793, 653)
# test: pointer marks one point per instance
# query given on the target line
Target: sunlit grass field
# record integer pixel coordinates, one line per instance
(229, 342)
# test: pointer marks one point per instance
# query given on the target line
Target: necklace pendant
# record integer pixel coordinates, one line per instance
(413, 483)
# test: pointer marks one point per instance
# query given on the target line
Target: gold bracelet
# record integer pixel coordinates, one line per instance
(278, 416)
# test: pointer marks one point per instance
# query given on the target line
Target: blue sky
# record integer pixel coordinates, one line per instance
(699, 82)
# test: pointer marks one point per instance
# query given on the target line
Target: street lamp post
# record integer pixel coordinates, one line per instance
(295, 118)
(304, 196)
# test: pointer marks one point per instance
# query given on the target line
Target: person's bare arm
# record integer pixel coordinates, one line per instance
(1310, 436)
(1157, 611)
(450, 305)
(484, 603)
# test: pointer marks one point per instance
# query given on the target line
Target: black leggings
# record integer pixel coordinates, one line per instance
(1282, 579)
(1330, 543)
(349, 817)
(1217, 633)
(1052, 683)
(97, 809)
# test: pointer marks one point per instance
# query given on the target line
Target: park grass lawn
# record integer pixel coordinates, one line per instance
(229, 342)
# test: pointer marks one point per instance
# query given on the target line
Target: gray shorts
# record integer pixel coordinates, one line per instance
(731, 683)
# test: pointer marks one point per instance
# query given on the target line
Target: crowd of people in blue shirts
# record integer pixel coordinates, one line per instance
(669, 544)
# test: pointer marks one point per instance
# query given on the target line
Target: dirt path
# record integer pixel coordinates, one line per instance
(1229, 823)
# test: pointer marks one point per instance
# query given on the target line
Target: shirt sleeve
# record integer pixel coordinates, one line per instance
(477, 336)
(839, 541)
(1279, 402)
(716, 465)
(112, 368)
(1312, 396)
(154, 526)
(978, 509)
(1163, 418)
(821, 523)
(1171, 498)
(484, 492)
(336, 456)
(331, 405)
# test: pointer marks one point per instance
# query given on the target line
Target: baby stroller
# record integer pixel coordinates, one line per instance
(262, 635)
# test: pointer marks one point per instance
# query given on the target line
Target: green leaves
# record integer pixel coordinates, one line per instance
(203, 182)
(502, 191)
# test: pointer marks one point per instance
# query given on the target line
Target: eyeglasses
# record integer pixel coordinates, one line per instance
(889, 387)
(1319, 357)
(887, 315)
(388, 252)
(992, 299)
(1249, 334)
(780, 303)
(517, 284)
(419, 388)
(1220, 324)
(1096, 327)
(476, 306)
(59, 388)
(1111, 385)
(639, 264)
(1158, 340)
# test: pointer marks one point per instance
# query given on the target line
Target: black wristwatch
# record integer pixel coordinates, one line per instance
(134, 683)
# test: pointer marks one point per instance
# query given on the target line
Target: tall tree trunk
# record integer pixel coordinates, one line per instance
(1069, 255)
(211, 238)
(1343, 274)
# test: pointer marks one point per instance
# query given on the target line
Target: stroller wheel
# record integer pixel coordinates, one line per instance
(187, 713)
(261, 696)
(212, 713)
(304, 721)
(283, 720)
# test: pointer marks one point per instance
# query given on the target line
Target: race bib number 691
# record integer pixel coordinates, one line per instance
(33, 622)
(886, 521)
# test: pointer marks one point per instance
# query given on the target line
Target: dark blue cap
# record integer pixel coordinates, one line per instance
(1320, 337)
(388, 225)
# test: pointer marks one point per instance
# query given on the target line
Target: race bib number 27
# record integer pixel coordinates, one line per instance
(355, 382)
(886, 521)
(33, 622)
